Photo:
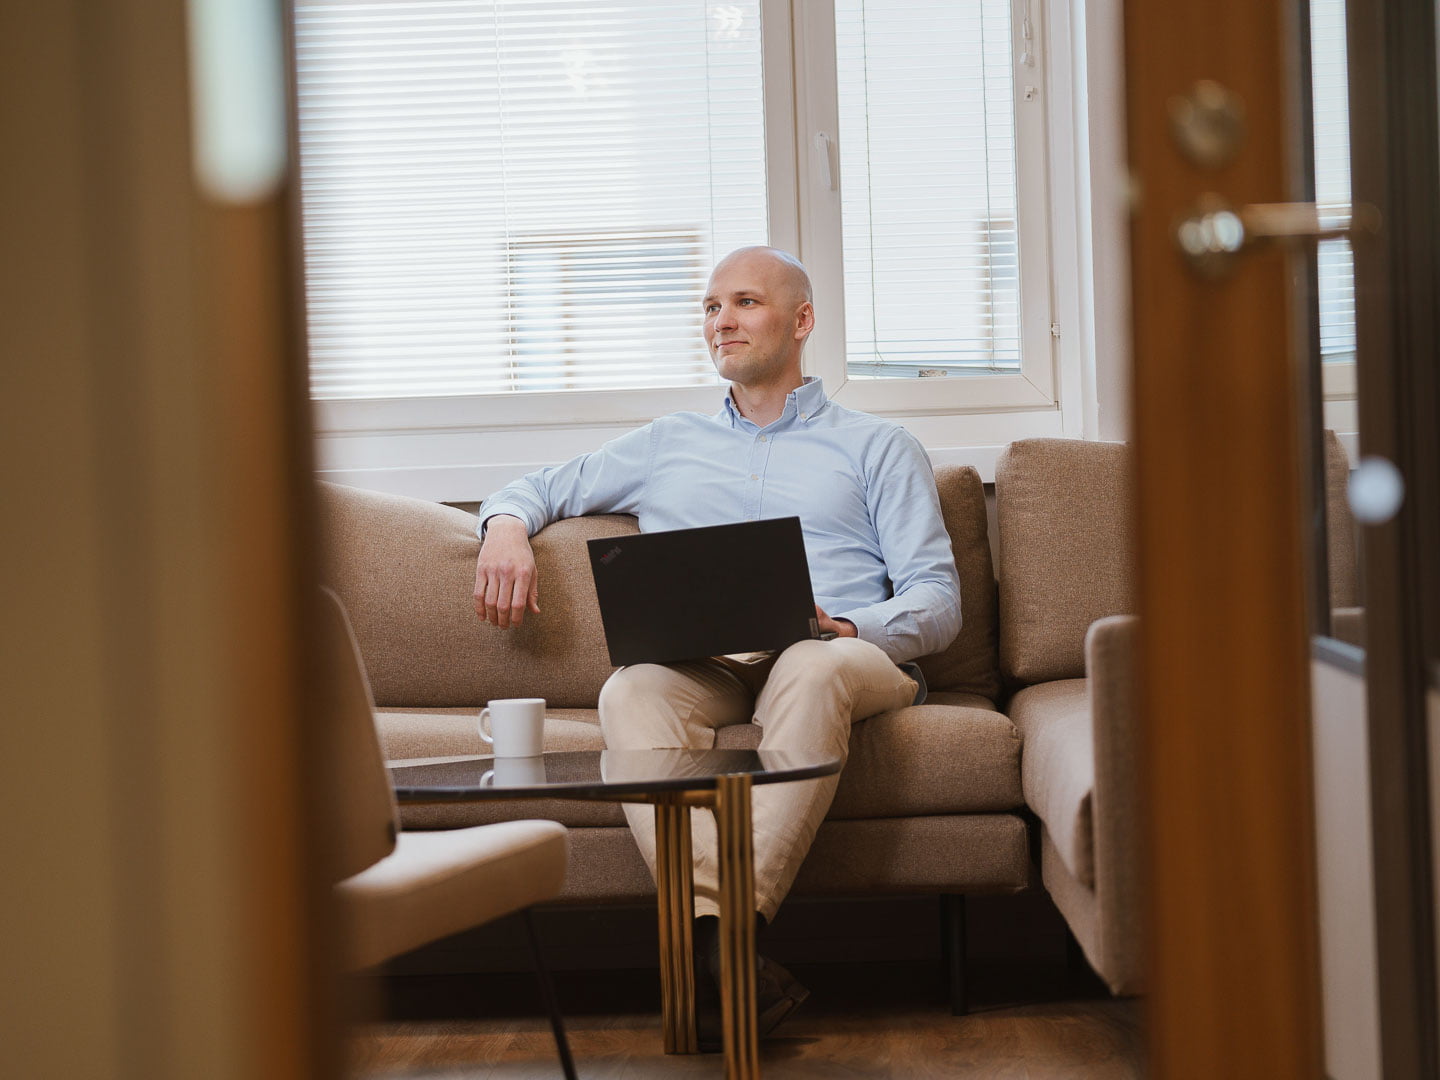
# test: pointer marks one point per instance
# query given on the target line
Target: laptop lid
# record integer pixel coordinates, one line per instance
(691, 593)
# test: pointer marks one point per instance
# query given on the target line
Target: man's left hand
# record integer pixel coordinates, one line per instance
(838, 627)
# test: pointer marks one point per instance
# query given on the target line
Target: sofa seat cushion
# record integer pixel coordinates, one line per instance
(930, 759)
(427, 733)
(962, 757)
(1058, 767)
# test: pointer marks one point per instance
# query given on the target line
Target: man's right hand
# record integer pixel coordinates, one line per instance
(505, 578)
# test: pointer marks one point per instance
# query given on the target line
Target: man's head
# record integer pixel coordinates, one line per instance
(759, 309)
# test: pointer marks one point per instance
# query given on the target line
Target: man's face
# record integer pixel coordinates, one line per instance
(755, 320)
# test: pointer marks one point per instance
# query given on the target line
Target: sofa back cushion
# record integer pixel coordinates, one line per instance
(1340, 537)
(1064, 513)
(971, 663)
(405, 569)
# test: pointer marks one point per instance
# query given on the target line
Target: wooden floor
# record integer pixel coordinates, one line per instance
(863, 1020)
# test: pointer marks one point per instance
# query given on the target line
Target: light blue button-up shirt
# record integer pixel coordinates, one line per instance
(862, 487)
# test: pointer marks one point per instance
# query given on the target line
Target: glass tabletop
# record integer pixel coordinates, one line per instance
(606, 774)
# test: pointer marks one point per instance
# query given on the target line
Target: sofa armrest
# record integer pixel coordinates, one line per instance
(1110, 662)
(1347, 624)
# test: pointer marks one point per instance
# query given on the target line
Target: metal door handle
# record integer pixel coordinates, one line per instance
(1216, 232)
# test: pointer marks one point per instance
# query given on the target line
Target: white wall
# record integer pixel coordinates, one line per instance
(1103, 215)
(1344, 862)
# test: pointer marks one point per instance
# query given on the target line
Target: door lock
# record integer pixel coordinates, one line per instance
(1208, 124)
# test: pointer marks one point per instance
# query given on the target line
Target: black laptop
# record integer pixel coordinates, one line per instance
(691, 593)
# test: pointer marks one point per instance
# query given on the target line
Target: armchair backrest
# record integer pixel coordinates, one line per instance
(364, 819)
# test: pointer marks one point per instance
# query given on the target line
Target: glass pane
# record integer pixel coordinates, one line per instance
(1328, 71)
(522, 195)
(927, 163)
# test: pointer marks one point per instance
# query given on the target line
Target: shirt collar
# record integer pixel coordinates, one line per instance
(802, 403)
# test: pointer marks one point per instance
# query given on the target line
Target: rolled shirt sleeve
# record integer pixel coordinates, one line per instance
(923, 615)
(610, 480)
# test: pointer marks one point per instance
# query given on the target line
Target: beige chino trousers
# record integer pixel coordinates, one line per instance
(804, 698)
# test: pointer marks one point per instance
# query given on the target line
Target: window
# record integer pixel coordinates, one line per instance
(927, 165)
(1332, 176)
(578, 302)
(495, 202)
(510, 208)
(1331, 104)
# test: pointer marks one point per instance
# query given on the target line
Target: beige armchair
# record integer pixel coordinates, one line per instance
(397, 891)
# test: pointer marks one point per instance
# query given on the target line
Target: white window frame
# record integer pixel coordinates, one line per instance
(461, 448)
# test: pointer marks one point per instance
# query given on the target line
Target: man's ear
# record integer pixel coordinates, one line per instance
(804, 320)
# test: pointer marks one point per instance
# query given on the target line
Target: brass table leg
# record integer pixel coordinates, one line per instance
(737, 927)
(675, 885)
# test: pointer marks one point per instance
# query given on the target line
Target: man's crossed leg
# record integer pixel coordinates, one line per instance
(804, 698)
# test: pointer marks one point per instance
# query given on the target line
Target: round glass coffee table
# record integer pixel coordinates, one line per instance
(672, 781)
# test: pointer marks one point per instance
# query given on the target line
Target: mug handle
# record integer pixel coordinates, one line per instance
(485, 712)
(488, 778)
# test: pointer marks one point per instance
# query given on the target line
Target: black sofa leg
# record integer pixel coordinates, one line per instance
(952, 938)
(547, 991)
(1075, 960)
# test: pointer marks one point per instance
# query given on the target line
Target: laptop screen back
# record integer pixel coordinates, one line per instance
(691, 593)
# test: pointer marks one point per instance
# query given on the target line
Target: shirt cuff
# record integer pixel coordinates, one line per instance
(512, 509)
(869, 626)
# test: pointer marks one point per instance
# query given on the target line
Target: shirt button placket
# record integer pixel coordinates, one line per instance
(758, 452)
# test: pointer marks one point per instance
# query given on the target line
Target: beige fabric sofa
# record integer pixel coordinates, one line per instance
(950, 797)
(930, 801)
(1067, 644)
(1063, 513)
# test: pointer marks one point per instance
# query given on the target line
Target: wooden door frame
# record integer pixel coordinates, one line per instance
(1233, 938)
(1395, 168)
(163, 765)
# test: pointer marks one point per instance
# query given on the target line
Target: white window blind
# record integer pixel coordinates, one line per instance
(512, 195)
(928, 198)
(1328, 74)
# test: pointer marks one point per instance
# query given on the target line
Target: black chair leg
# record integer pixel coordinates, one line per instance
(952, 938)
(547, 991)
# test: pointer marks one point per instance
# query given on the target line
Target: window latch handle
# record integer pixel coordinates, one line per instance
(821, 143)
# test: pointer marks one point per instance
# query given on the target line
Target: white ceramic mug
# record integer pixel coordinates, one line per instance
(518, 725)
(515, 772)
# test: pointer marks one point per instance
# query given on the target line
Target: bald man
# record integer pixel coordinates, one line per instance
(880, 562)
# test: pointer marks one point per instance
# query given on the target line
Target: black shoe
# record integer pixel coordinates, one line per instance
(777, 995)
(709, 1027)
